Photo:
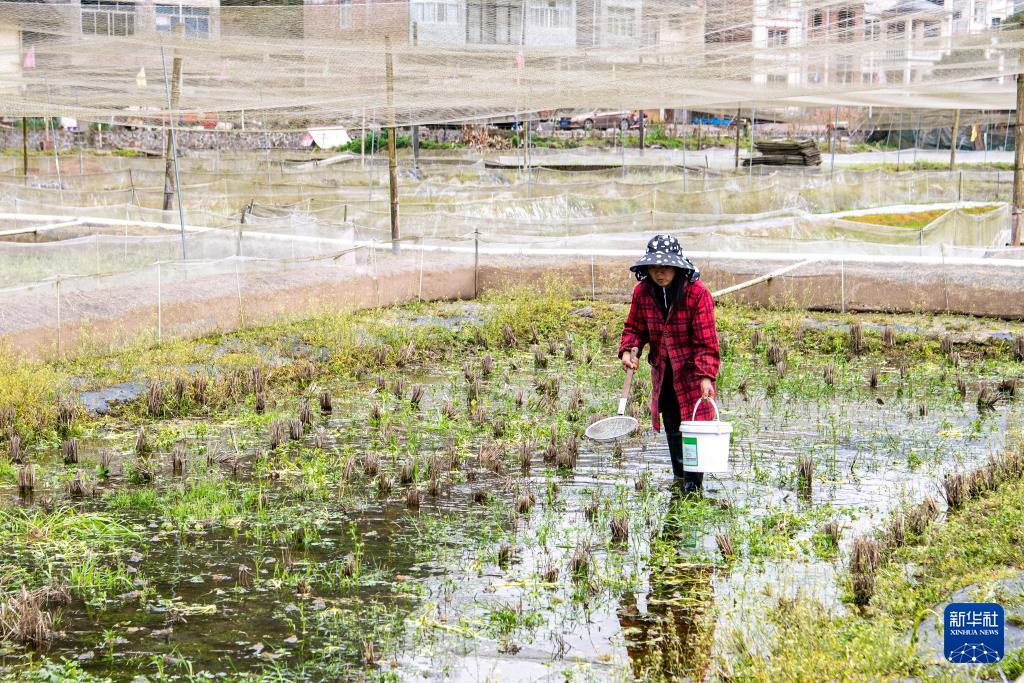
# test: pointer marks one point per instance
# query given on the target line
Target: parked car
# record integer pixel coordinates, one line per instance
(601, 120)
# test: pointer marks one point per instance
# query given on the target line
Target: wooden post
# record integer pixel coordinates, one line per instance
(173, 92)
(392, 147)
(415, 129)
(1018, 160)
(415, 147)
(169, 185)
(736, 123)
(643, 131)
(24, 147)
(953, 139)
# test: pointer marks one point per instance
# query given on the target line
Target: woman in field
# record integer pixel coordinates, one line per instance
(673, 313)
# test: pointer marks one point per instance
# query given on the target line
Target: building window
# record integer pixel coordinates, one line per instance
(778, 5)
(344, 13)
(195, 19)
(675, 22)
(996, 22)
(846, 20)
(778, 37)
(778, 80)
(102, 18)
(932, 29)
(980, 10)
(872, 31)
(549, 14)
(436, 13)
(844, 69)
(817, 19)
(622, 22)
(492, 23)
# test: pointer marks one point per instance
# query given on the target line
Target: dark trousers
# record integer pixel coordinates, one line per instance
(668, 403)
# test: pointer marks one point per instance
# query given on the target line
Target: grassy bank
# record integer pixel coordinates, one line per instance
(974, 546)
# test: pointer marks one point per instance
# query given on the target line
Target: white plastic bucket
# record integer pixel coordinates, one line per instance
(705, 442)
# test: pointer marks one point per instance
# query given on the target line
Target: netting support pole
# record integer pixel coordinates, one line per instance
(173, 91)
(476, 262)
(953, 139)
(420, 295)
(899, 143)
(529, 164)
(131, 182)
(24, 147)
(945, 282)
(842, 285)
(960, 188)
(1018, 161)
(736, 122)
(835, 138)
(415, 129)
(159, 306)
(56, 158)
(415, 147)
(392, 146)
(78, 139)
(57, 283)
(127, 219)
(593, 279)
(643, 136)
(238, 289)
(753, 122)
(685, 144)
(238, 233)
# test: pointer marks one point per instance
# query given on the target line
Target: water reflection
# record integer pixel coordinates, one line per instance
(670, 631)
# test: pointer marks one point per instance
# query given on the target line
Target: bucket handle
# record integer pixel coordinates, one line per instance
(697, 405)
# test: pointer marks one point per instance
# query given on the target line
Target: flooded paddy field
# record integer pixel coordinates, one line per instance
(406, 494)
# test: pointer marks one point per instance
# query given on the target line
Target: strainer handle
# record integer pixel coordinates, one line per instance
(634, 353)
(697, 405)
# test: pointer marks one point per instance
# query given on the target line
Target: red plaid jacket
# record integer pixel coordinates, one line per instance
(688, 339)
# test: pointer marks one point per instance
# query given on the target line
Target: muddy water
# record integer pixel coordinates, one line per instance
(439, 602)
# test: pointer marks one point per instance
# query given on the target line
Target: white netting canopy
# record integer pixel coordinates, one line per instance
(289, 66)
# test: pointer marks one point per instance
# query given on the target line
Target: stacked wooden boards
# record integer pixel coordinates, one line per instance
(785, 153)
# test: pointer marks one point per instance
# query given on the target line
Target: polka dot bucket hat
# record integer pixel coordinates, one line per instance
(664, 250)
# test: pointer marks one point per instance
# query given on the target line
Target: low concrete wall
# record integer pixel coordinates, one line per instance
(109, 314)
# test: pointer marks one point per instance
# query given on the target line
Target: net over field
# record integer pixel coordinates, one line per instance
(90, 257)
(287, 67)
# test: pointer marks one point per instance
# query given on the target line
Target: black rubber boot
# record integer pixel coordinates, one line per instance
(675, 451)
(693, 483)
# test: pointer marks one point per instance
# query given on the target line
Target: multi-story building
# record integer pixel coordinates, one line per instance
(557, 23)
(199, 18)
(355, 19)
(548, 23)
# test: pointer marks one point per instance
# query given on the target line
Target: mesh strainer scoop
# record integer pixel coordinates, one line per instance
(619, 425)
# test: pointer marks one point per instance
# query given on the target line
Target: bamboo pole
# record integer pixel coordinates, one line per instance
(392, 146)
(1018, 161)
(736, 123)
(953, 140)
(171, 176)
(169, 146)
(24, 147)
(761, 278)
